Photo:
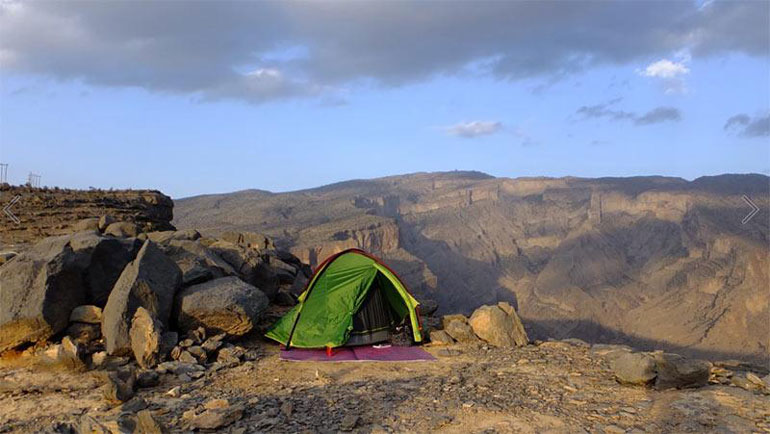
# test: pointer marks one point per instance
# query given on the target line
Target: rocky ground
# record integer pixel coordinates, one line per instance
(114, 330)
(552, 386)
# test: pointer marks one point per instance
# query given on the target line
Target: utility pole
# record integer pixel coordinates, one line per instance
(3, 173)
(33, 180)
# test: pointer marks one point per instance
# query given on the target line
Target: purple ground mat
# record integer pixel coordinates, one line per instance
(358, 354)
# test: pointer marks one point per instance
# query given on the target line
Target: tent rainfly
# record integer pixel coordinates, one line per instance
(353, 298)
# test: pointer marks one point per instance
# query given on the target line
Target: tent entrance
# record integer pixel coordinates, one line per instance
(374, 320)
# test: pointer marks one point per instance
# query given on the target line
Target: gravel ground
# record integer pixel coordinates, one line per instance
(556, 386)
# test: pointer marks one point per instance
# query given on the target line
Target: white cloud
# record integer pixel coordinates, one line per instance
(474, 128)
(665, 68)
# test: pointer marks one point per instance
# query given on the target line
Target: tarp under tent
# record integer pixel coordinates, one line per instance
(353, 298)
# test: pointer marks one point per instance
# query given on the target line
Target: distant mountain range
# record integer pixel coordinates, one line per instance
(656, 262)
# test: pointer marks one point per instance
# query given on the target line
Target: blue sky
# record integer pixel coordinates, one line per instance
(86, 108)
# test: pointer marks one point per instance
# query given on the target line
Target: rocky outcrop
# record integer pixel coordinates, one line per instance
(40, 287)
(251, 265)
(149, 281)
(226, 305)
(45, 212)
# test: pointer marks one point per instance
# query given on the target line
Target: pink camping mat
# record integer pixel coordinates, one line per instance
(358, 354)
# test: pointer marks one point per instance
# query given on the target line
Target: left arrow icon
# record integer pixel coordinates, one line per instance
(7, 209)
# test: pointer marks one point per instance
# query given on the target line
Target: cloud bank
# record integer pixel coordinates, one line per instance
(474, 129)
(261, 51)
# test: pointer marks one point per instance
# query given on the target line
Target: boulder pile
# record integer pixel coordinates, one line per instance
(111, 293)
(497, 325)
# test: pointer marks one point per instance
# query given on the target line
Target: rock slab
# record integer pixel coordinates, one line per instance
(149, 281)
(225, 305)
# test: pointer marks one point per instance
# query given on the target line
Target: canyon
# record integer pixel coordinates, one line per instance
(654, 262)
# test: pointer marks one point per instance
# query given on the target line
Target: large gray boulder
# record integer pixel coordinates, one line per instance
(109, 256)
(499, 326)
(675, 371)
(252, 267)
(634, 368)
(149, 281)
(41, 286)
(197, 262)
(225, 305)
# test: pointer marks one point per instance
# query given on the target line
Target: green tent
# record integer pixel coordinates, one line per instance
(352, 299)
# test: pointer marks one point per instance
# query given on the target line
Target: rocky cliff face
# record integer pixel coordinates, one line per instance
(650, 261)
(52, 211)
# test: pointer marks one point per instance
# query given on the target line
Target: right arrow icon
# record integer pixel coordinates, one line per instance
(754, 210)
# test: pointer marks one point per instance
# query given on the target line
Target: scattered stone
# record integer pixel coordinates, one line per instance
(461, 332)
(675, 371)
(89, 224)
(756, 380)
(213, 343)
(98, 359)
(349, 422)
(287, 408)
(119, 385)
(230, 355)
(217, 418)
(440, 337)
(122, 229)
(88, 313)
(134, 404)
(147, 379)
(89, 425)
(446, 319)
(176, 352)
(634, 368)
(105, 221)
(227, 305)
(145, 337)
(198, 335)
(186, 357)
(71, 352)
(216, 403)
(199, 353)
(84, 333)
(175, 392)
(150, 281)
(146, 423)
